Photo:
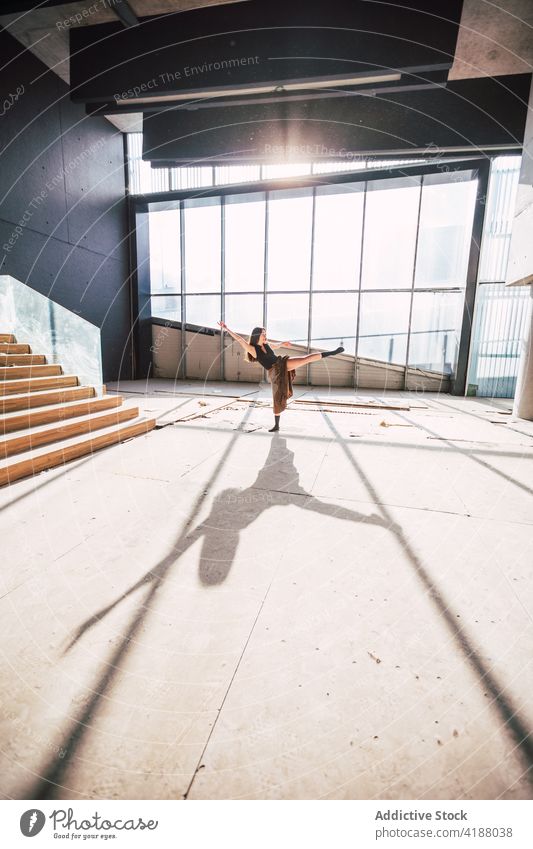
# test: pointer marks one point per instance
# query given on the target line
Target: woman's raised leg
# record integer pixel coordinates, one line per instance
(296, 362)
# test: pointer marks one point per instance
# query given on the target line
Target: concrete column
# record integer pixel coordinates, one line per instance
(520, 268)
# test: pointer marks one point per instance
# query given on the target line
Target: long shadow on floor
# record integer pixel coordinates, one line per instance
(521, 735)
(466, 452)
(276, 485)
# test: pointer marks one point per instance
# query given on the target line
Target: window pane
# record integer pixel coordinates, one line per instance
(165, 255)
(337, 247)
(167, 306)
(191, 177)
(501, 317)
(354, 164)
(383, 326)
(225, 174)
(289, 239)
(245, 243)
(202, 245)
(503, 185)
(390, 233)
(445, 231)
(244, 312)
(140, 173)
(286, 169)
(435, 330)
(334, 321)
(287, 318)
(203, 310)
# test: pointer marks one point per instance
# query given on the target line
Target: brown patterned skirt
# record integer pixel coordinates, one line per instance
(281, 379)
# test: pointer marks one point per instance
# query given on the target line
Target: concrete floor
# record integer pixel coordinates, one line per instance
(341, 611)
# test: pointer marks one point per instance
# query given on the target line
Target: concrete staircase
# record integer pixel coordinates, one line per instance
(47, 418)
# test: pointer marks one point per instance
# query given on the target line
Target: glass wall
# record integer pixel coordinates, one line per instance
(290, 216)
(384, 326)
(165, 264)
(337, 236)
(377, 266)
(202, 245)
(500, 312)
(334, 320)
(244, 239)
(391, 220)
(446, 214)
(434, 339)
(499, 325)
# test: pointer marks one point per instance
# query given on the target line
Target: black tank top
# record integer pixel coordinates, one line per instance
(267, 359)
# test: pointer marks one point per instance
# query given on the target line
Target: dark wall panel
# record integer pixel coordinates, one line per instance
(30, 153)
(95, 188)
(476, 114)
(64, 173)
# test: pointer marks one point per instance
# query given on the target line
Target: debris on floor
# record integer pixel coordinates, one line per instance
(394, 424)
(339, 402)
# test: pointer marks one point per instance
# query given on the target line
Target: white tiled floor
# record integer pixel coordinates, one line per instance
(344, 610)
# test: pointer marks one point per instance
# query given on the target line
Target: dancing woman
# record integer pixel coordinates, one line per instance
(280, 369)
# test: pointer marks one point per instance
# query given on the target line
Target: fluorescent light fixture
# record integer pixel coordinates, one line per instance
(267, 88)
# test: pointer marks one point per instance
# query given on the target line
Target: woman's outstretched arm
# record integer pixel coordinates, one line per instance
(242, 342)
(280, 344)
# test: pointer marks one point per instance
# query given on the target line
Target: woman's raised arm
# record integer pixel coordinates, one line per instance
(242, 342)
(275, 344)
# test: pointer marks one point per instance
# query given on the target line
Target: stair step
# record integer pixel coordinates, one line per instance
(12, 348)
(40, 459)
(13, 372)
(21, 359)
(34, 384)
(40, 399)
(58, 432)
(7, 337)
(11, 422)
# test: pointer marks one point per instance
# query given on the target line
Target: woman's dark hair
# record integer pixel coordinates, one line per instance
(254, 340)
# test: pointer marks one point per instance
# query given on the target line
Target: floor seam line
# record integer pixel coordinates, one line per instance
(198, 766)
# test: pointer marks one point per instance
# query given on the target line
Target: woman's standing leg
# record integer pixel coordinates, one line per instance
(281, 379)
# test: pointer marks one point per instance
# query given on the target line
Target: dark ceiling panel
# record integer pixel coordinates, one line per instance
(15, 6)
(247, 44)
(476, 114)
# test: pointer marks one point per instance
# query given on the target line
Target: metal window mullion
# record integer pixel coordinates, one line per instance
(183, 359)
(500, 334)
(516, 326)
(415, 258)
(511, 331)
(463, 354)
(265, 264)
(505, 182)
(505, 231)
(222, 280)
(359, 290)
(490, 243)
(479, 324)
(311, 274)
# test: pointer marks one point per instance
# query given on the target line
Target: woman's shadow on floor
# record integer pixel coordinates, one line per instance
(277, 485)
